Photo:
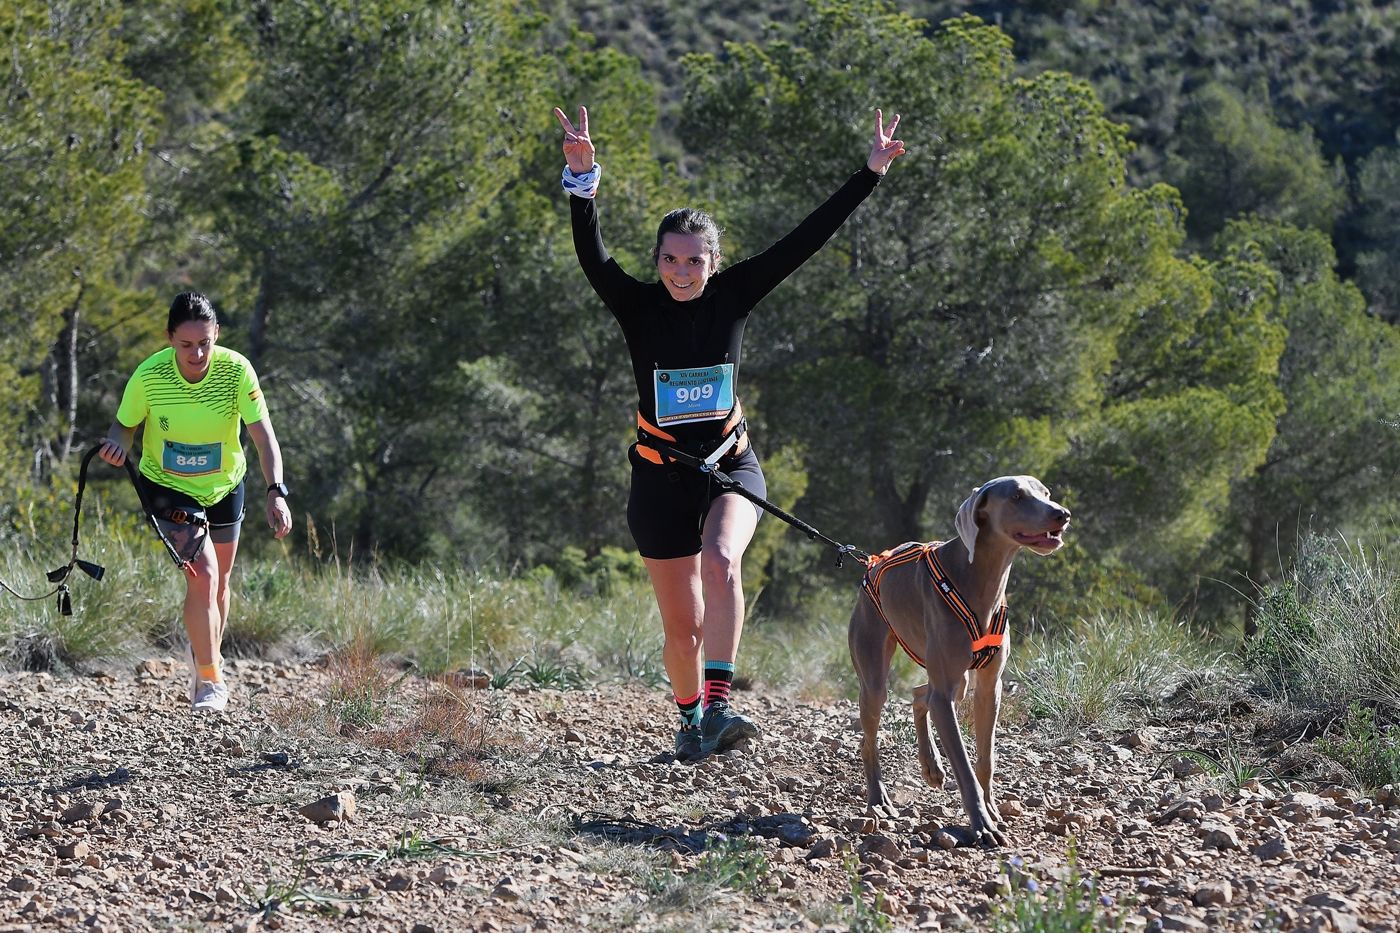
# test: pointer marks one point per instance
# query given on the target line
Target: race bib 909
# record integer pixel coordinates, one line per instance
(684, 395)
(191, 459)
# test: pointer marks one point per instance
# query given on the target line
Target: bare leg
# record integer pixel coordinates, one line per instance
(225, 554)
(201, 610)
(729, 527)
(676, 583)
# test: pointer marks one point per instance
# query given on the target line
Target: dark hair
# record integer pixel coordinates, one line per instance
(691, 222)
(190, 306)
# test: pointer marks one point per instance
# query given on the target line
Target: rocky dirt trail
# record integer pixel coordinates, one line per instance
(529, 809)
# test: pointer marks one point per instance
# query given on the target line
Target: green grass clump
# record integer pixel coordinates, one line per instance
(1071, 903)
(1369, 750)
(1329, 632)
(1107, 669)
(734, 865)
(865, 916)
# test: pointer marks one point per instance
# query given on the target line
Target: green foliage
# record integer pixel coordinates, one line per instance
(73, 130)
(1328, 633)
(593, 574)
(295, 893)
(865, 916)
(411, 845)
(1370, 750)
(1230, 767)
(1378, 204)
(1106, 670)
(1068, 903)
(730, 865)
(1234, 161)
(369, 192)
(1331, 457)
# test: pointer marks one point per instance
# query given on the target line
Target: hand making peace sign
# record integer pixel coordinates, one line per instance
(886, 148)
(578, 148)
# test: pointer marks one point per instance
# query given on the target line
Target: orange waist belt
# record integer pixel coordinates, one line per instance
(985, 645)
(648, 431)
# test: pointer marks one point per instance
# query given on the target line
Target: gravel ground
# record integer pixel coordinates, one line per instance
(361, 799)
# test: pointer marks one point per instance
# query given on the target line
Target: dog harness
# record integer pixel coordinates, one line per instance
(985, 645)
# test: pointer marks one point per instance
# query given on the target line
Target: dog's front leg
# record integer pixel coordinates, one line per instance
(984, 829)
(986, 704)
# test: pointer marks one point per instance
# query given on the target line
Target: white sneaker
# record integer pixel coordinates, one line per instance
(210, 696)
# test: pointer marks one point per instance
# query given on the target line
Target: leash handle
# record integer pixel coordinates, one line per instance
(135, 478)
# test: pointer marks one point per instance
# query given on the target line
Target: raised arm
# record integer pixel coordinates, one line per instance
(581, 176)
(760, 274)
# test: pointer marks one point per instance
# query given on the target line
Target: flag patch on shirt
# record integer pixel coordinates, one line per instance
(253, 395)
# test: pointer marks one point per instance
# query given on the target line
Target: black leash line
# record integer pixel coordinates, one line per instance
(729, 484)
(59, 575)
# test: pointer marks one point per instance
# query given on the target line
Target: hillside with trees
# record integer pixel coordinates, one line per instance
(1145, 251)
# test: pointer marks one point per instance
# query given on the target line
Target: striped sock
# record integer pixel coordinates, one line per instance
(690, 710)
(718, 676)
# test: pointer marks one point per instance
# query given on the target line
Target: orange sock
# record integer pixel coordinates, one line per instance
(209, 673)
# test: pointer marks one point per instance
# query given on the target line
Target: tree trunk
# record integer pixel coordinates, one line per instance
(262, 313)
(60, 390)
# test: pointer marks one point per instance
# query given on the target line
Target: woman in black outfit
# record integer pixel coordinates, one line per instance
(685, 333)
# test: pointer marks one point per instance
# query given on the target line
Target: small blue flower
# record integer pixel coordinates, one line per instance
(1105, 900)
(1016, 861)
(1032, 886)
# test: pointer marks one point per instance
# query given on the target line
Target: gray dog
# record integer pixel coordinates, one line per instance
(945, 604)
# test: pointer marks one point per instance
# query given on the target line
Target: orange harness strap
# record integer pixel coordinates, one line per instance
(652, 455)
(985, 645)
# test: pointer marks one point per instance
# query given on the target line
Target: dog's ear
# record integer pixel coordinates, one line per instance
(966, 521)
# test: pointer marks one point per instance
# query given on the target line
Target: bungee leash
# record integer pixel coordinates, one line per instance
(59, 575)
(709, 467)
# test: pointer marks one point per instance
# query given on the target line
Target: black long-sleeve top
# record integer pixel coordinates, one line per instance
(706, 330)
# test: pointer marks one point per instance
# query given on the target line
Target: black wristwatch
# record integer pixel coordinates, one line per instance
(281, 489)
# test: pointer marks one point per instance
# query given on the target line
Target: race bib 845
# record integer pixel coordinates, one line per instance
(191, 459)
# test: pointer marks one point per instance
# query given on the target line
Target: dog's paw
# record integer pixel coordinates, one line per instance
(990, 836)
(933, 774)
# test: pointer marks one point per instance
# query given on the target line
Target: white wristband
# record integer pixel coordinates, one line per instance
(585, 185)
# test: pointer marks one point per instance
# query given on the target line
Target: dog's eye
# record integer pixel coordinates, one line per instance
(1017, 496)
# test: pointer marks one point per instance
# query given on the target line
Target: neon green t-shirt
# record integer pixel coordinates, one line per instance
(191, 441)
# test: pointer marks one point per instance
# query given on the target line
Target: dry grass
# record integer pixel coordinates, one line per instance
(450, 731)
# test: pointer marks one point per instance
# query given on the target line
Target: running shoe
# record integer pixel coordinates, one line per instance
(210, 697)
(688, 743)
(722, 728)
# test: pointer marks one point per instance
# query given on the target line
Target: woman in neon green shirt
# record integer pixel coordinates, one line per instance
(191, 399)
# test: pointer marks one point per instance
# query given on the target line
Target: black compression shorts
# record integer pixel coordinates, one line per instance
(667, 506)
(225, 516)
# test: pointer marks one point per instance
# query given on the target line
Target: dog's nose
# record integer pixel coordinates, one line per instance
(1062, 513)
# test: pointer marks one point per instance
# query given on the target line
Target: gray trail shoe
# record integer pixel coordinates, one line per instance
(688, 743)
(722, 728)
(210, 697)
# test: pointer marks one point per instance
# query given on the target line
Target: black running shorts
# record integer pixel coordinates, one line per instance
(225, 516)
(667, 506)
